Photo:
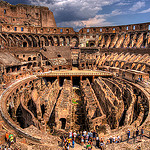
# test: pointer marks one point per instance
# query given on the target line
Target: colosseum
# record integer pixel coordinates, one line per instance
(54, 80)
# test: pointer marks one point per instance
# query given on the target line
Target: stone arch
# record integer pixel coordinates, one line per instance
(34, 40)
(145, 40)
(11, 40)
(29, 43)
(62, 41)
(92, 43)
(44, 41)
(143, 68)
(24, 44)
(17, 41)
(138, 67)
(51, 41)
(56, 41)
(106, 37)
(3, 41)
(20, 39)
(37, 39)
(74, 41)
(122, 64)
(67, 41)
(133, 66)
(34, 64)
(116, 64)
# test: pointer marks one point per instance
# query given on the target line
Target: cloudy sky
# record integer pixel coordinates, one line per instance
(94, 13)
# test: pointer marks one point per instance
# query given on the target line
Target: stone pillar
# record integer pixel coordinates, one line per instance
(16, 69)
(80, 78)
(71, 79)
(10, 70)
(58, 78)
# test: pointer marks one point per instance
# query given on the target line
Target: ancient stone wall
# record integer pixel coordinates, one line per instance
(25, 15)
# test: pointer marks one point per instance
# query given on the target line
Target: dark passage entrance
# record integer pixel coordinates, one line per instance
(61, 80)
(51, 79)
(76, 81)
(63, 123)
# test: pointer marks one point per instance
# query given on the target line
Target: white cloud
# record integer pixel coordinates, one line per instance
(137, 6)
(122, 4)
(145, 11)
(74, 9)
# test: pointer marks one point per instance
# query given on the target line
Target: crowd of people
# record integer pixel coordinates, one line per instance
(86, 139)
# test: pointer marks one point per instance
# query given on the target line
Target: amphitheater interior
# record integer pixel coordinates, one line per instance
(53, 79)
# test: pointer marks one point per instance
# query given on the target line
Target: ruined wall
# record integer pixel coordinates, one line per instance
(26, 15)
(63, 110)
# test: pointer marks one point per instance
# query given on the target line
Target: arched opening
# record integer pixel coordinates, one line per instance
(63, 123)
(29, 59)
(135, 91)
(76, 81)
(32, 107)
(10, 111)
(34, 64)
(43, 110)
(92, 44)
(47, 63)
(24, 44)
(20, 119)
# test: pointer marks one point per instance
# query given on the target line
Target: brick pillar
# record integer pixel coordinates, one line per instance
(80, 78)
(58, 78)
(71, 79)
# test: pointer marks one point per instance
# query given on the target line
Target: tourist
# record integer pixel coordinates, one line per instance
(82, 141)
(111, 139)
(78, 139)
(84, 133)
(69, 141)
(94, 135)
(128, 134)
(67, 146)
(142, 132)
(101, 143)
(88, 146)
(118, 139)
(97, 141)
(4, 148)
(114, 139)
(137, 132)
(91, 142)
(86, 138)
(74, 135)
(7, 137)
(108, 141)
(138, 148)
(70, 134)
(91, 134)
(73, 143)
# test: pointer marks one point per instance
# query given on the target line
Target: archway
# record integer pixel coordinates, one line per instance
(63, 123)
(24, 44)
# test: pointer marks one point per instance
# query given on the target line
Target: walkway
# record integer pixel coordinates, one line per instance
(79, 147)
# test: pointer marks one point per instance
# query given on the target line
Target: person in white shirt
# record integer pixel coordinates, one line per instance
(74, 135)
